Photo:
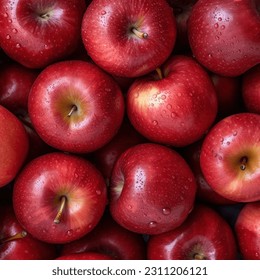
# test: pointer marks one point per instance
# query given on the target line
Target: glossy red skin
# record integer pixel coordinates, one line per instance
(176, 110)
(105, 157)
(98, 98)
(247, 230)
(36, 42)
(115, 48)
(85, 256)
(15, 84)
(26, 248)
(110, 238)
(204, 232)
(158, 189)
(251, 90)
(14, 146)
(204, 192)
(39, 188)
(232, 138)
(224, 35)
(229, 96)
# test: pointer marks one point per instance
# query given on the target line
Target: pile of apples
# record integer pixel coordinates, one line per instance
(130, 129)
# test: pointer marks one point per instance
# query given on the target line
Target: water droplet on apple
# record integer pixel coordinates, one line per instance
(103, 13)
(152, 224)
(130, 207)
(223, 27)
(90, 226)
(190, 180)
(163, 97)
(18, 46)
(235, 133)
(46, 47)
(10, 21)
(8, 37)
(216, 25)
(173, 115)
(220, 19)
(166, 211)
(210, 55)
(152, 105)
(98, 192)
(136, 94)
(14, 31)
(6, 15)
(155, 122)
(108, 89)
(69, 232)
(220, 158)
(228, 143)
(217, 37)
(169, 106)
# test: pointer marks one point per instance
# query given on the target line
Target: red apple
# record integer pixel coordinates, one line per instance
(110, 238)
(129, 38)
(251, 89)
(175, 107)
(224, 35)
(75, 107)
(247, 230)
(230, 157)
(15, 84)
(204, 235)
(105, 157)
(152, 189)
(204, 192)
(14, 145)
(17, 244)
(85, 256)
(37, 33)
(58, 197)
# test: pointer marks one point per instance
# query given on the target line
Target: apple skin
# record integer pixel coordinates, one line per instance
(25, 248)
(152, 189)
(230, 157)
(224, 35)
(229, 95)
(14, 146)
(115, 47)
(204, 193)
(97, 98)
(105, 157)
(247, 230)
(203, 235)
(110, 238)
(37, 33)
(38, 191)
(85, 256)
(251, 90)
(176, 109)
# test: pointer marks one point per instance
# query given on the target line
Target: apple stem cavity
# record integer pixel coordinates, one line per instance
(73, 109)
(243, 163)
(61, 209)
(159, 72)
(198, 256)
(18, 235)
(139, 34)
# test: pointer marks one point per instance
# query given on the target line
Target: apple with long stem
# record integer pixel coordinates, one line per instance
(58, 197)
(17, 244)
(38, 33)
(204, 235)
(129, 38)
(230, 157)
(152, 189)
(75, 107)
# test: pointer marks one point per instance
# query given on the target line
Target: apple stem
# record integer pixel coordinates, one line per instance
(18, 235)
(62, 206)
(198, 256)
(72, 110)
(139, 34)
(159, 72)
(243, 162)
